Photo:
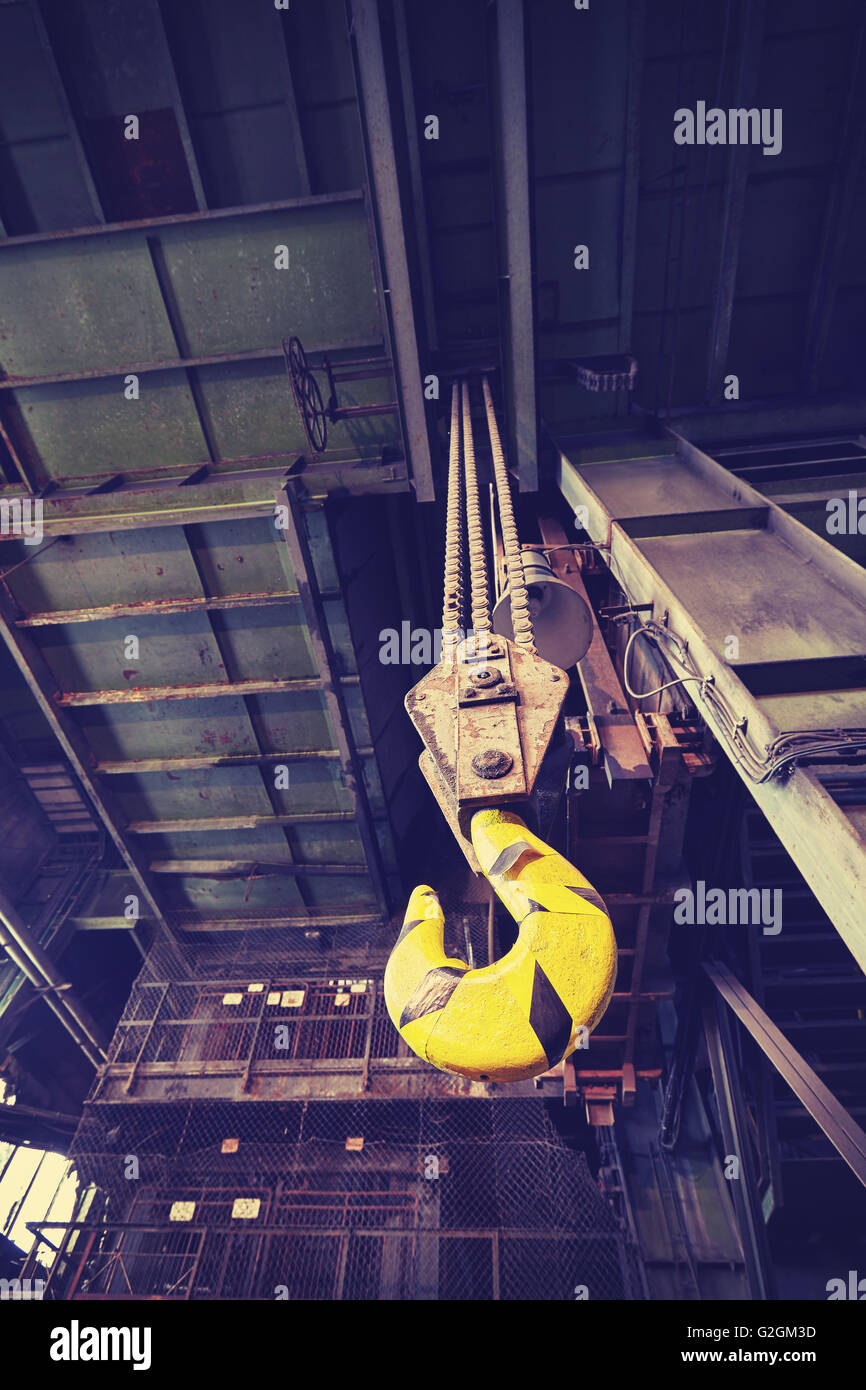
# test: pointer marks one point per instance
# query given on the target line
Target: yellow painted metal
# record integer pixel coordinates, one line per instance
(520, 1016)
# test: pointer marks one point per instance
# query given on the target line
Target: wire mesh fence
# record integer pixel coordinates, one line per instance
(327, 943)
(246, 1007)
(375, 1199)
(255, 1134)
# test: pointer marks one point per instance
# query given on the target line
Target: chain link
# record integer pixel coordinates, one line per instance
(477, 557)
(452, 605)
(462, 474)
(521, 618)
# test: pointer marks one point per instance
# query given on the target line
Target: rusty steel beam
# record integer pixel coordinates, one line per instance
(167, 364)
(300, 1079)
(239, 822)
(355, 195)
(325, 918)
(154, 606)
(43, 687)
(295, 547)
(124, 766)
(174, 364)
(140, 695)
(222, 492)
(253, 868)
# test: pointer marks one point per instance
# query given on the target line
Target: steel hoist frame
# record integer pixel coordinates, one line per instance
(487, 714)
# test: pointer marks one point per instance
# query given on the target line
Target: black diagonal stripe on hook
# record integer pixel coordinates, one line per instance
(549, 1018)
(410, 926)
(508, 857)
(591, 897)
(433, 992)
(406, 928)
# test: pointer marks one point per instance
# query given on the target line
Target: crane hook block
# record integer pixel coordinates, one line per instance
(523, 1014)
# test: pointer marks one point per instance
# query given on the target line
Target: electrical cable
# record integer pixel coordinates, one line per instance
(645, 695)
(760, 767)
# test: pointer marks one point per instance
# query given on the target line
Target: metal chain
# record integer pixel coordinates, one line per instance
(521, 618)
(477, 558)
(452, 604)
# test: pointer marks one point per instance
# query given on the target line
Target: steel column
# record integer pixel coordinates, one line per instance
(739, 157)
(179, 109)
(516, 249)
(837, 223)
(743, 1187)
(372, 86)
(416, 178)
(296, 135)
(62, 95)
(631, 174)
(28, 955)
(843, 1132)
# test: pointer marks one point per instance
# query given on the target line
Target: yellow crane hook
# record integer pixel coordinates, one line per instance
(521, 1015)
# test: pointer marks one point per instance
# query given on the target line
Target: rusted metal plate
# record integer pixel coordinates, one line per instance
(489, 754)
(456, 729)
